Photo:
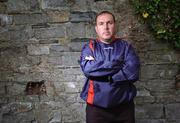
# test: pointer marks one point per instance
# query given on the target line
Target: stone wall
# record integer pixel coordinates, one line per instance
(42, 40)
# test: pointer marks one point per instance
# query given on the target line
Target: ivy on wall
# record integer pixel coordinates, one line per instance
(163, 18)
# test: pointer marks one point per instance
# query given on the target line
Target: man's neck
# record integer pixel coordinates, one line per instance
(108, 41)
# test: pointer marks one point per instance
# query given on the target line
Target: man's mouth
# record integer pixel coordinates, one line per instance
(106, 32)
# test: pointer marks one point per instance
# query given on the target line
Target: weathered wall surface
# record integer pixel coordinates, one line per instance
(42, 40)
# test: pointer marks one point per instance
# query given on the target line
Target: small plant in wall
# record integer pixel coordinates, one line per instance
(163, 18)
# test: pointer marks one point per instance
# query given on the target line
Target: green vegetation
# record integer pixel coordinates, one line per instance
(163, 18)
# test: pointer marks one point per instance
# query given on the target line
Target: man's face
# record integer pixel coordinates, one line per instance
(105, 27)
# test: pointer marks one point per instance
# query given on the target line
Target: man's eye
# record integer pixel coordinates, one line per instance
(100, 23)
(110, 22)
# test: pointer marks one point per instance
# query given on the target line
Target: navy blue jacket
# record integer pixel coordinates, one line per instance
(110, 76)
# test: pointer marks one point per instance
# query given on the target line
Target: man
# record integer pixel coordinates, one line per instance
(111, 66)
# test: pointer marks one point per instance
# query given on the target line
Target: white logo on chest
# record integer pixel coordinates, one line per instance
(108, 48)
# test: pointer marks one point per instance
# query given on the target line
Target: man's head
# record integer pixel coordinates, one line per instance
(105, 26)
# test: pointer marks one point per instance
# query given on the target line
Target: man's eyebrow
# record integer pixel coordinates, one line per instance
(100, 22)
(105, 21)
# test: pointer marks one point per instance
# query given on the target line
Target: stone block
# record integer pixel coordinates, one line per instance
(71, 87)
(2, 88)
(23, 69)
(150, 111)
(161, 57)
(166, 98)
(76, 111)
(70, 58)
(90, 31)
(3, 1)
(50, 41)
(18, 6)
(139, 100)
(58, 16)
(79, 100)
(17, 107)
(76, 30)
(69, 78)
(159, 85)
(59, 87)
(143, 92)
(76, 46)
(168, 71)
(24, 116)
(120, 5)
(168, 58)
(141, 45)
(149, 71)
(157, 45)
(82, 16)
(16, 33)
(35, 5)
(3, 100)
(78, 43)
(54, 104)
(83, 40)
(80, 79)
(30, 19)
(173, 121)
(53, 75)
(151, 121)
(56, 4)
(32, 60)
(40, 25)
(58, 48)
(27, 98)
(154, 71)
(51, 32)
(69, 98)
(38, 50)
(43, 112)
(55, 60)
(81, 5)
(72, 71)
(5, 19)
(73, 114)
(102, 5)
(2, 8)
(16, 89)
(172, 111)
(56, 117)
(30, 76)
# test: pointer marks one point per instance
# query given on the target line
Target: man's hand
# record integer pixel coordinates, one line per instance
(89, 58)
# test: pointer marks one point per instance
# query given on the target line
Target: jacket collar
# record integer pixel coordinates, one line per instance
(113, 39)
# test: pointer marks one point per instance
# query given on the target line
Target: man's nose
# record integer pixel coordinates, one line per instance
(106, 26)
